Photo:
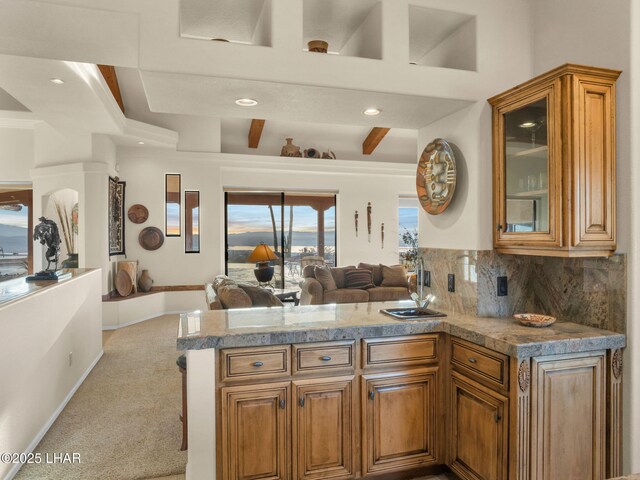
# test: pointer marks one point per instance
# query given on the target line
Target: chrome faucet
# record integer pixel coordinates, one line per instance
(421, 302)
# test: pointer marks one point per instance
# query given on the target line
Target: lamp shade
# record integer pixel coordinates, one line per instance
(262, 253)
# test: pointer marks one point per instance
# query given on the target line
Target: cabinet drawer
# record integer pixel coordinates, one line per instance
(319, 357)
(482, 364)
(399, 351)
(246, 363)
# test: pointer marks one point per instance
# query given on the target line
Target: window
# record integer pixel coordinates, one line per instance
(172, 204)
(408, 231)
(16, 227)
(299, 227)
(192, 221)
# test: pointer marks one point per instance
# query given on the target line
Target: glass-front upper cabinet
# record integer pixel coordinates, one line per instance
(554, 164)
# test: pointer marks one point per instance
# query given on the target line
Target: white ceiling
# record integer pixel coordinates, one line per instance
(233, 20)
(212, 96)
(334, 21)
(8, 102)
(428, 27)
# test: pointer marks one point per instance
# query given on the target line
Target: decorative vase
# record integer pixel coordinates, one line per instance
(319, 46)
(145, 281)
(311, 153)
(290, 150)
(71, 261)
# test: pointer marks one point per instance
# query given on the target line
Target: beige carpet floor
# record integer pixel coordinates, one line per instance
(123, 420)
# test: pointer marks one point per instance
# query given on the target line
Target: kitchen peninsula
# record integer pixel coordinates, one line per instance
(344, 391)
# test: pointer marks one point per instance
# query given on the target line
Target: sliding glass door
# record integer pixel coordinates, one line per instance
(299, 227)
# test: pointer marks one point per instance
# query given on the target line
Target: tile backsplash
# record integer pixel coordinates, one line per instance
(589, 291)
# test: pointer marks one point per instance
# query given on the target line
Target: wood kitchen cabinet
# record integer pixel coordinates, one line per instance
(255, 431)
(478, 434)
(575, 446)
(323, 429)
(554, 164)
(406, 405)
(399, 427)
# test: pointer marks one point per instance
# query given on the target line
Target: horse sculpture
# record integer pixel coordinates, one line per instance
(47, 232)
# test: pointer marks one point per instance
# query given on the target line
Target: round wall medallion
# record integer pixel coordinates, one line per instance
(138, 213)
(151, 238)
(436, 177)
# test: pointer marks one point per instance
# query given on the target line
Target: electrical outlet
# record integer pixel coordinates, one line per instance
(503, 289)
(70, 358)
(451, 282)
(426, 278)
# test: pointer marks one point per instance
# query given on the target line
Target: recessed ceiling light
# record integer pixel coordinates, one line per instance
(57, 81)
(528, 124)
(372, 112)
(140, 143)
(246, 102)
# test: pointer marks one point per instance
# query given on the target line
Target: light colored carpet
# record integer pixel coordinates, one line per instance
(123, 420)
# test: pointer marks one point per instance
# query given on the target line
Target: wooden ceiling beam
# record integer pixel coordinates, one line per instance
(109, 74)
(373, 139)
(255, 132)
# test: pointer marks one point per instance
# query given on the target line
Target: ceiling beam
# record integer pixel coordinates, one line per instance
(109, 74)
(255, 132)
(373, 139)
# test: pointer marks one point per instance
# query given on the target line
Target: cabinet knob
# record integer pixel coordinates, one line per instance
(472, 360)
(498, 417)
(283, 404)
(325, 358)
(258, 364)
(302, 401)
(499, 226)
(372, 394)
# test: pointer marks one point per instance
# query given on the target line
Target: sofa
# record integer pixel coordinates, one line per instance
(224, 293)
(388, 283)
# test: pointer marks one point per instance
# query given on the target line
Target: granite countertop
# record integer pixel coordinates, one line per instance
(316, 323)
(18, 288)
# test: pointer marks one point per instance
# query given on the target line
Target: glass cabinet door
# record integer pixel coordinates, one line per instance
(527, 168)
(528, 176)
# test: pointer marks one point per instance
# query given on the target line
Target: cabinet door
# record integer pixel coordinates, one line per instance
(479, 431)
(527, 148)
(323, 429)
(568, 417)
(399, 420)
(255, 425)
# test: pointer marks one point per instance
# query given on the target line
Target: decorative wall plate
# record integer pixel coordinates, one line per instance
(151, 238)
(138, 213)
(436, 177)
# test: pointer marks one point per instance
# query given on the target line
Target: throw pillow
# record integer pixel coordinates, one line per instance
(221, 281)
(338, 275)
(394, 276)
(232, 296)
(323, 275)
(260, 297)
(376, 270)
(361, 278)
(308, 271)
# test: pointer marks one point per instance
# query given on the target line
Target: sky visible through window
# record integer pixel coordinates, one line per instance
(407, 220)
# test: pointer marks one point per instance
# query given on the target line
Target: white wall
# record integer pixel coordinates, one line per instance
(37, 378)
(356, 183)
(16, 154)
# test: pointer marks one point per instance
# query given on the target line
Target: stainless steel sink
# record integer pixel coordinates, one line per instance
(412, 313)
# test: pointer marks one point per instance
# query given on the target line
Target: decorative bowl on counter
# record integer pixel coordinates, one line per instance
(534, 319)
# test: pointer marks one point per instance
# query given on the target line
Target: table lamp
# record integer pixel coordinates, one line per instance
(261, 256)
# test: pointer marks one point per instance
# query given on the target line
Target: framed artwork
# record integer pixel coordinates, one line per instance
(116, 217)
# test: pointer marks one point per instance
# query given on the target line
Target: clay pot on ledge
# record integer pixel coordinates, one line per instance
(145, 281)
(290, 150)
(319, 46)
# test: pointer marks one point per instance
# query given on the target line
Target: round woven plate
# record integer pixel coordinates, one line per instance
(151, 238)
(123, 284)
(534, 319)
(138, 213)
